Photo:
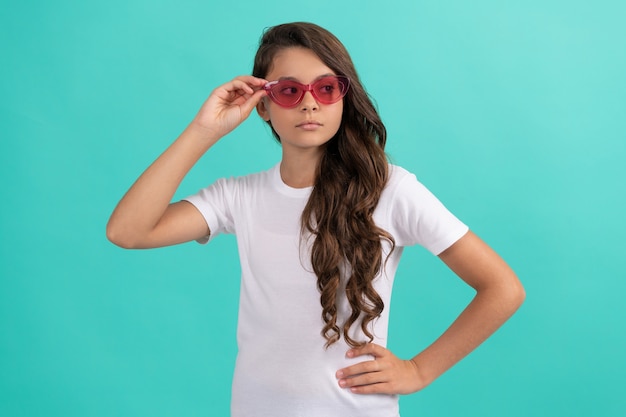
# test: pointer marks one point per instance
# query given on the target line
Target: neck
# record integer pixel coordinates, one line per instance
(297, 170)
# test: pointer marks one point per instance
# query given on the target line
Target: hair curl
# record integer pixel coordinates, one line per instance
(350, 178)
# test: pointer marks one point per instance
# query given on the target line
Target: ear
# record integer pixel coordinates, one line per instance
(261, 108)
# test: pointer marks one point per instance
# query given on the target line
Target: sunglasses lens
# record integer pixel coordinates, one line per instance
(329, 90)
(287, 93)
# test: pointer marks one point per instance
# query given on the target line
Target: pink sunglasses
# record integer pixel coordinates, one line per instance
(326, 90)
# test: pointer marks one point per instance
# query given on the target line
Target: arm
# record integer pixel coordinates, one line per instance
(498, 295)
(144, 218)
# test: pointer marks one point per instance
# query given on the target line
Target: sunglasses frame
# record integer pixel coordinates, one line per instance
(341, 79)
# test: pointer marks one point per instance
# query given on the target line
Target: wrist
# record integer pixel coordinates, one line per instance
(203, 133)
(423, 376)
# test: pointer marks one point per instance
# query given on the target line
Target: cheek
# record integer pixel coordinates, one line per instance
(338, 116)
(277, 118)
(279, 123)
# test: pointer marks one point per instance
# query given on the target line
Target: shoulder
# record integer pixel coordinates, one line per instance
(415, 215)
(397, 174)
(401, 181)
(404, 193)
(248, 181)
(227, 190)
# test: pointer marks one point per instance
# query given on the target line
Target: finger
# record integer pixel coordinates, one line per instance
(235, 88)
(238, 87)
(252, 101)
(368, 349)
(254, 82)
(380, 388)
(359, 368)
(363, 379)
(251, 79)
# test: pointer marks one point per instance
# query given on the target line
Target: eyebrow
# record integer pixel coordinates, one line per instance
(296, 80)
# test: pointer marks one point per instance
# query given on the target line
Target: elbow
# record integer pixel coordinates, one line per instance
(518, 290)
(519, 296)
(119, 237)
(521, 293)
(515, 294)
(507, 294)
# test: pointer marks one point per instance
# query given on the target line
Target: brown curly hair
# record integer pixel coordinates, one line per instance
(350, 178)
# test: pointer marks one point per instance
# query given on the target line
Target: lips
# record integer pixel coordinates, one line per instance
(309, 124)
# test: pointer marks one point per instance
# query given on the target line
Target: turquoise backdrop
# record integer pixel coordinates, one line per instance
(513, 113)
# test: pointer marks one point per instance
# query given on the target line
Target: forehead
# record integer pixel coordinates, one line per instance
(297, 63)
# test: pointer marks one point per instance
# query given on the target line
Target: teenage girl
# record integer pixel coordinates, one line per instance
(319, 235)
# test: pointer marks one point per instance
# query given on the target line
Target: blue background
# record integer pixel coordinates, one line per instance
(512, 113)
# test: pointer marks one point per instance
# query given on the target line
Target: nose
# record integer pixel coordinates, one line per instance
(308, 102)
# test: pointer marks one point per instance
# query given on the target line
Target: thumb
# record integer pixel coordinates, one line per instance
(250, 103)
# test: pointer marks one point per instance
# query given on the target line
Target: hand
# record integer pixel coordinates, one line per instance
(230, 104)
(386, 374)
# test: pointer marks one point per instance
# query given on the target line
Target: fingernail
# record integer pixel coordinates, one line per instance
(342, 383)
(340, 374)
(350, 354)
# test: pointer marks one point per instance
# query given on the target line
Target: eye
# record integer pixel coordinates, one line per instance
(327, 87)
(289, 90)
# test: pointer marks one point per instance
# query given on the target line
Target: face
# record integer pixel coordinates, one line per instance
(311, 123)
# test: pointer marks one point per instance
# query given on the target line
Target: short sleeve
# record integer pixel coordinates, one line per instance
(418, 217)
(215, 203)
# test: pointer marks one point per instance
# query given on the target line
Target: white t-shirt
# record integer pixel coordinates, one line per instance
(283, 369)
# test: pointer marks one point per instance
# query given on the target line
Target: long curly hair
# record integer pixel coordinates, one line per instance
(350, 178)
